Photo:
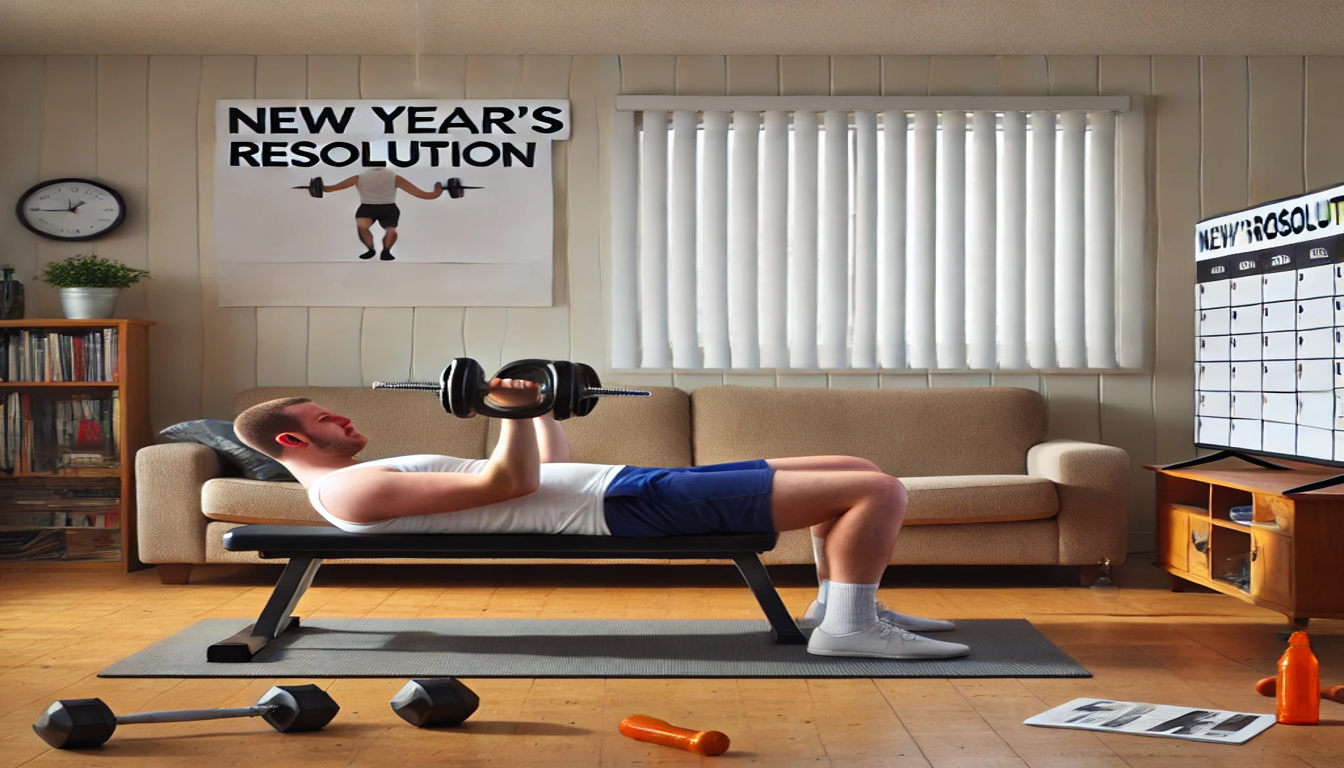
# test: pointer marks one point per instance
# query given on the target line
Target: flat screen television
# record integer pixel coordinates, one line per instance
(1269, 327)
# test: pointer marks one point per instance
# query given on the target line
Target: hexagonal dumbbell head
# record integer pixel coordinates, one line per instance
(299, 708)
(76, 724)
(435, 703)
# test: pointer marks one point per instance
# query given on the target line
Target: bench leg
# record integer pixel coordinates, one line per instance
(275, 618)
(783, 628)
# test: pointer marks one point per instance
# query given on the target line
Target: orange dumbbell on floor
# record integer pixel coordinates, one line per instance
(1268, 687)
(653, 730)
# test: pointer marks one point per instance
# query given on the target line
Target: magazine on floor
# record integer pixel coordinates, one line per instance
(1143, 719)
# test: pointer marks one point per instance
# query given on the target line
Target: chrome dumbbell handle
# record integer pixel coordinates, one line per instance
(615, 392)
(189, 715)
(430, 386)
(589, 392)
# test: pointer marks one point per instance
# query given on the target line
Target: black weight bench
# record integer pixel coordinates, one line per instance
(305, 547)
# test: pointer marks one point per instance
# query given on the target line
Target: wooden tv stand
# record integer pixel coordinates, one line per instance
(1287, 559)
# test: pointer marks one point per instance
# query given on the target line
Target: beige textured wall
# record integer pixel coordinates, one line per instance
(1228, 131)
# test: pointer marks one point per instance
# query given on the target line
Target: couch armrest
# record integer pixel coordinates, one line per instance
(169, 522)
(1093, 485)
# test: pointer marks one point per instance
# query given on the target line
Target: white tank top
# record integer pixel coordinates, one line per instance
(568, 501)
(377, 186)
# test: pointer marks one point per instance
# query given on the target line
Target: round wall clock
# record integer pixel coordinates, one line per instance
(71, 209)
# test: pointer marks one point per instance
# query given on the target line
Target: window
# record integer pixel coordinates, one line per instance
(878, 233)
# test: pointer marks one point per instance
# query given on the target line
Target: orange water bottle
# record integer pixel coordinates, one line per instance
(1299, 685)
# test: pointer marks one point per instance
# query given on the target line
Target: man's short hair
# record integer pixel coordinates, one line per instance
(259, 425)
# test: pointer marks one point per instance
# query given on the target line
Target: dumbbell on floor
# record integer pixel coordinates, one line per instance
(82, 723)
(435, 703)
(655, 731)
(453, 186)
(1269, 687)
(564, 389)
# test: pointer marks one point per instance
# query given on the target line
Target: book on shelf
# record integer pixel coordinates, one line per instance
(96, 505)
(62, 519)
(46, 435)
(32, 545)
(60, 545)
(42, 355)
(92, 545)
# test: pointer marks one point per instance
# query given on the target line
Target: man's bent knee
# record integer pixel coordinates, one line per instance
(889, 493)
(863, 464)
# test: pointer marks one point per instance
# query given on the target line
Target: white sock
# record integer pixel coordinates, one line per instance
(851, 608)
(823, 591)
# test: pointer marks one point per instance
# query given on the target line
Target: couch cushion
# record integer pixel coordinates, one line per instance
(652, 431)
(1034, 542)
(236, 500)
(397, 422)
(959, 499)
(906, 432)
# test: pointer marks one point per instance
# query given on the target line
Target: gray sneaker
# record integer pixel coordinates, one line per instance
(882, 641)
(812, 618)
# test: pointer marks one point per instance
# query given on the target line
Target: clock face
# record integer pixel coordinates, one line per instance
(71, 209)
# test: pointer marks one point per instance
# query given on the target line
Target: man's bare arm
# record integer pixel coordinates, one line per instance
(338, 186)
(513, 470)
(552, 443)
(374, 494)
(406, 186)
(516, 460)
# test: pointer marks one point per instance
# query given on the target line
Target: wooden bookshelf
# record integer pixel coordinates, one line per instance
(133, 433)
(1285, 559)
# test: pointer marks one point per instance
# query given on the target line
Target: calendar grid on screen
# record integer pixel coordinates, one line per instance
(1269, 327)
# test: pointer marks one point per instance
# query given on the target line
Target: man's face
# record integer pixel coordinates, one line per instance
(324, 431)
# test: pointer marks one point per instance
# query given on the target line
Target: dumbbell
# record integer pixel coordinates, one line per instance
(453, 186)
(1269, 687)
(455, 189)
(314, 186)
(435, 703)
(564, 388)
(81, 723)
(655, 731)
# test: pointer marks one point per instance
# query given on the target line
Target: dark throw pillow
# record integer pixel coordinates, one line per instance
(219, 434)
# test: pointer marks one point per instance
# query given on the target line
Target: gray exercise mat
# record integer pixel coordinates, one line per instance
(734, 648)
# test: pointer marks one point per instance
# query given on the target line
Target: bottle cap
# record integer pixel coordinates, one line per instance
(1299, 638)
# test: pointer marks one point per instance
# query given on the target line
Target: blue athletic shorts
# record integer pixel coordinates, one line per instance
(688, 501)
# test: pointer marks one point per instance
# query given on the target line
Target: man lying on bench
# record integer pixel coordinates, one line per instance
(529, 485)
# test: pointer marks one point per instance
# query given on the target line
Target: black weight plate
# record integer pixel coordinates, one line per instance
(565, 393)
(587, 379)
(465, 379)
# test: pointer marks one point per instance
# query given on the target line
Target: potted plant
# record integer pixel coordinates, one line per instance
(90, 285)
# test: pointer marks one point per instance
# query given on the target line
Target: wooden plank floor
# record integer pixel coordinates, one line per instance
(1141, 642)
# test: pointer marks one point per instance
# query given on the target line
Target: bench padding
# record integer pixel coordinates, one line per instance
(329, 543)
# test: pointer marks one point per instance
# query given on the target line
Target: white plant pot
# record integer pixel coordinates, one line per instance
(89, 303)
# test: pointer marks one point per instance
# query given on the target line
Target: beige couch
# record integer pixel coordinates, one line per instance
(986, 487)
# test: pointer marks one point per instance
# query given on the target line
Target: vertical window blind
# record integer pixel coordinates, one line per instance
(839, 233)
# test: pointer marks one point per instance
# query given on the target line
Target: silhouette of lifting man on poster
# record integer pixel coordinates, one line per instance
(377, 189)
